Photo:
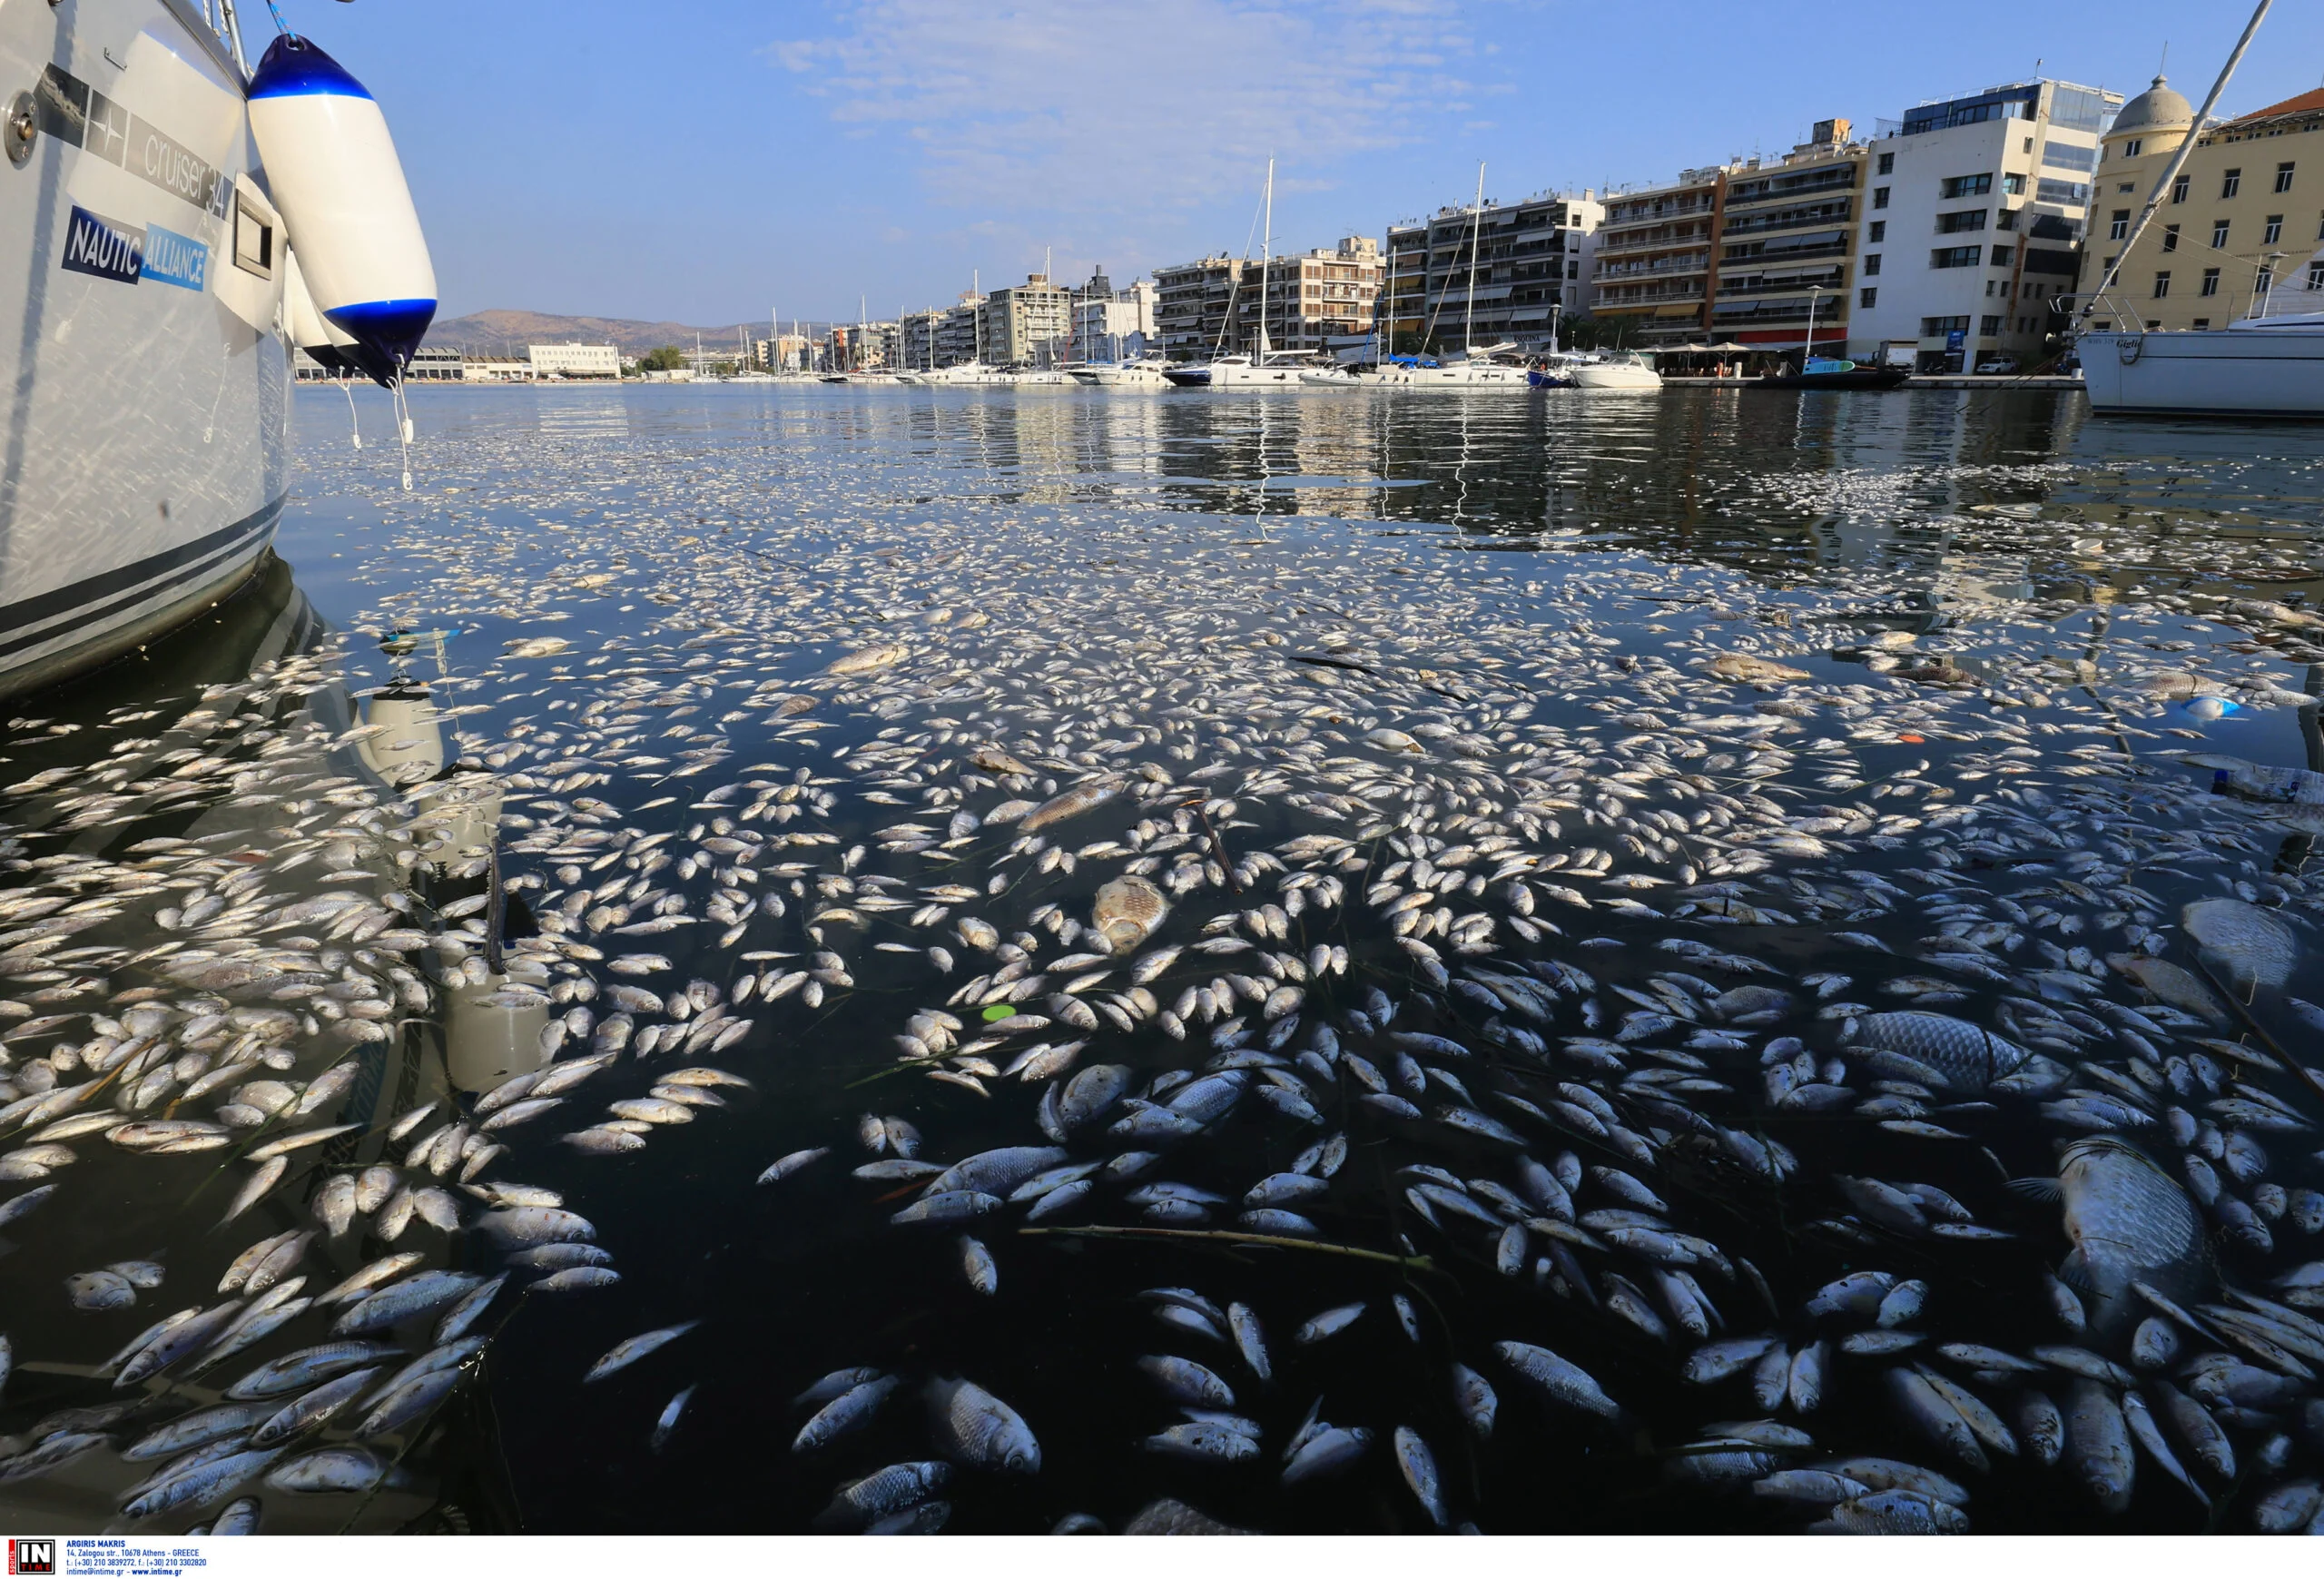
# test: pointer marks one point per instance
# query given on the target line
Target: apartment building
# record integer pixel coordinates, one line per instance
(1190, 306)
(1972, 234)
(1489, 275)
(1110, 323)
(921, 331)
(1787, 245)
(1020, 324)
(1315, 300)
(1653, 257)
(2239, 231)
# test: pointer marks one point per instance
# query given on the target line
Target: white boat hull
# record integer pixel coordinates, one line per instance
(1597, 376)
(1132, 376)
(145, 431)
(2234, 372)
(1457, 376)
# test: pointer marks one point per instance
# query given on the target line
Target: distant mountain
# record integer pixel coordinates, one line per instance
(499, 326)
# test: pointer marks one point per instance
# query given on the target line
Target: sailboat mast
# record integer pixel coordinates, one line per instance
(1266, 255)
(1476, 238)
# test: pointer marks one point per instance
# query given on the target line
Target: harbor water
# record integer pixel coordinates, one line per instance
(1718, 960)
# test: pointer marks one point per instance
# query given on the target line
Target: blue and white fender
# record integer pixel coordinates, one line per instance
(332, 169)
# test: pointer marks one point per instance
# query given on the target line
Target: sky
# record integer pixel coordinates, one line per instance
(713, 162)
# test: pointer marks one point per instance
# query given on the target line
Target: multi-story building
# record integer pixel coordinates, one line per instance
(783, 353)
(1653, 257)
(920, 332)
(1493, 275)
(956, 337)
(1110, 323)
(1190, 306)
(858, 346)
(1315, 300)
(575, 361)
(2238, 233)
(1787, 245)
(1020, 323)
(1977, 210)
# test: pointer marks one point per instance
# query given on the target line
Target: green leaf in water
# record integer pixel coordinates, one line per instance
(999, 1011)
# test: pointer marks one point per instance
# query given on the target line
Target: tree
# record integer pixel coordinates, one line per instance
(663, 359)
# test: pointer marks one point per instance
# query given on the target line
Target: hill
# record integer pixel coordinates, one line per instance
(513, 327)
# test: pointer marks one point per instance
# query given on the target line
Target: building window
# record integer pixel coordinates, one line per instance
(2007, 220)
(1967, 219)
(2283, 176)
(2119, 226)
(2200, 323)
(2029, 145)
(2179, 190)
(1871, 264)
(2262, 283)
(2316, 276)
(1867, 297)
(1935, 328)
(1989, 325)
(1990, 284)
(2211, 283)
(2219, 233)
(1878, 233)
(2274, 231)
(2230, 184)
(1889, 166)
(2014, 184)
(2131, 149)
(2002, 256)
(1956, 257)
(1955, 186)
(1880, 197)
(2162, 283)
(2170, 238)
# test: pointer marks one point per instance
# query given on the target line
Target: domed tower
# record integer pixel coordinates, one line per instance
(2156, 122)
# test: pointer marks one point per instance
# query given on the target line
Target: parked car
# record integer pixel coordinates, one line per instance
(1998, 364)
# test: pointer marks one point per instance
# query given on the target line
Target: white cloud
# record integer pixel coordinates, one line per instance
(1122, 108)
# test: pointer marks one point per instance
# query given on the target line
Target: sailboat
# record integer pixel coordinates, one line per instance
(2264, 365)
(1475, 368)
(1264, 366)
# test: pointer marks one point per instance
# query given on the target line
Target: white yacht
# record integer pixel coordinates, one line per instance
(2255, 367)
(1475, 372)
(1145, 373)
(144, 421)
(1627, 370)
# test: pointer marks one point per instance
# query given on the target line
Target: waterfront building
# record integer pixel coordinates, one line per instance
(1191, 302)
(1319, 300)
(575, 361)
(1652, 256)
(1973, 227)
(956, 336)
(1022, 324)
(497, 370)
(1110, 323)
(1787, 234)
(1531, 260)
(2238, 233)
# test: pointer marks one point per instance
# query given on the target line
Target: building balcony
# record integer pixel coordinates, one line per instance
(1761, 253)
(1823, 216)
(1786, 285)
(1789, 189)
(1672, 295)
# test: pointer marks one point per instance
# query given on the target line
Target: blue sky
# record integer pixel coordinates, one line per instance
(709, 160)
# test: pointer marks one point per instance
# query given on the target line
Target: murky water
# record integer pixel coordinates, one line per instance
(1327, 652)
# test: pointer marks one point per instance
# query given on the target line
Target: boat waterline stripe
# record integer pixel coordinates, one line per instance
(47, 607)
